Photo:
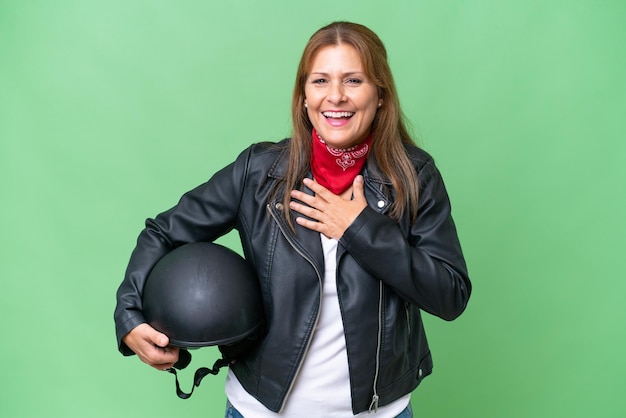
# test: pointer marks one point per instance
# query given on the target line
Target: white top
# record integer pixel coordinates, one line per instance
(322, 386)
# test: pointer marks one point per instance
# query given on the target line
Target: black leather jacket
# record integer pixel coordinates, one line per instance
(387, 272)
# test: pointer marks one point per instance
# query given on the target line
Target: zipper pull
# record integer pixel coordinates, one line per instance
(374, 404)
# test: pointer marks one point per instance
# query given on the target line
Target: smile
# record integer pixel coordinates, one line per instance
(338, 115)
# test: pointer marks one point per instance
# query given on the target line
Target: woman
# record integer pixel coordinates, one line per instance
(347, 255)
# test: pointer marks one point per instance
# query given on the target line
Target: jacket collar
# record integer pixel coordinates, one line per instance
(376, 183)
(278, 169)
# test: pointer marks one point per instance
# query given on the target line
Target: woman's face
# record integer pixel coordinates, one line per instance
(341, 101)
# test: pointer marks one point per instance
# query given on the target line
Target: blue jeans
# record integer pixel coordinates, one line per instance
(231, 412)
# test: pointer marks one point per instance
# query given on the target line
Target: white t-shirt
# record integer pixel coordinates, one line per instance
(322, 387)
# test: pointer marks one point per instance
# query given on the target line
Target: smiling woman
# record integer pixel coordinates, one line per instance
(346, 62)
(346, 256)
(340, 99)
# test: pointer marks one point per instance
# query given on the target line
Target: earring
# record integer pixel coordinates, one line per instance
(380, 103)
(306, 104)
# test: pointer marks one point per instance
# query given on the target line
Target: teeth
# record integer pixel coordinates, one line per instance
(338, 114)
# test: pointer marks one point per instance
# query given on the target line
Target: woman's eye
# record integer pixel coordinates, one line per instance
(354, 81)
(319, 81)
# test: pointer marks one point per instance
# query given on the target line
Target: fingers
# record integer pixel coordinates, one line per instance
(305, 210)
(151, 347)
(318, 199)
(312, 206)
(157, 353)
(326, 212)
(159, 339)
(163, 358)
(357, 188)
(309, 212)
(319, 190)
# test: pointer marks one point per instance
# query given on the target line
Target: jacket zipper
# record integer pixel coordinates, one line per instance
(375, 397)
(319, 278)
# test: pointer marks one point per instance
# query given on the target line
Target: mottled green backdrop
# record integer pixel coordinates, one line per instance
(111, 109)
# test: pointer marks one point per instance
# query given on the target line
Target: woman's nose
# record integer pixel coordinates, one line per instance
(336, 93)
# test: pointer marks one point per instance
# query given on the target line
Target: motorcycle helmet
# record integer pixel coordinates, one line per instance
(204, 294)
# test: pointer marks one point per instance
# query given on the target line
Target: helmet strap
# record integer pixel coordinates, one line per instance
(198, 376)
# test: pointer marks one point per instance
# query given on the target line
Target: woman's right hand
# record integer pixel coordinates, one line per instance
(151, 347)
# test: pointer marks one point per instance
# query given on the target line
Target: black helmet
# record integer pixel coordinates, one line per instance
(203, 294)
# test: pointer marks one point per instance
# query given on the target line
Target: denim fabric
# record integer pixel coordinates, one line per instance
(407, 413)
(231, 412)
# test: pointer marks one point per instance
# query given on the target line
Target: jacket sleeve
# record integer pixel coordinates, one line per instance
(202, 214)
(425, 265)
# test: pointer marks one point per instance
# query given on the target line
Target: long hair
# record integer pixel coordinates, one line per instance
(389, 133)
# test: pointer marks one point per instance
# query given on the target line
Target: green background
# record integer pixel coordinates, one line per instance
(110, 110)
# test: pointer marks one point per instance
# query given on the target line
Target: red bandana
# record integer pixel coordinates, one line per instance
(336, 168)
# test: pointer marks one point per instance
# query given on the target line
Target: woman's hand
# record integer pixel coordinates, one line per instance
(151, 347)
(333, 213)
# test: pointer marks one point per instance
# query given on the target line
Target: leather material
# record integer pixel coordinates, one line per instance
(387, 273)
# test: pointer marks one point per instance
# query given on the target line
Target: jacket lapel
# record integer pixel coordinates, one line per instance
(303, 240)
